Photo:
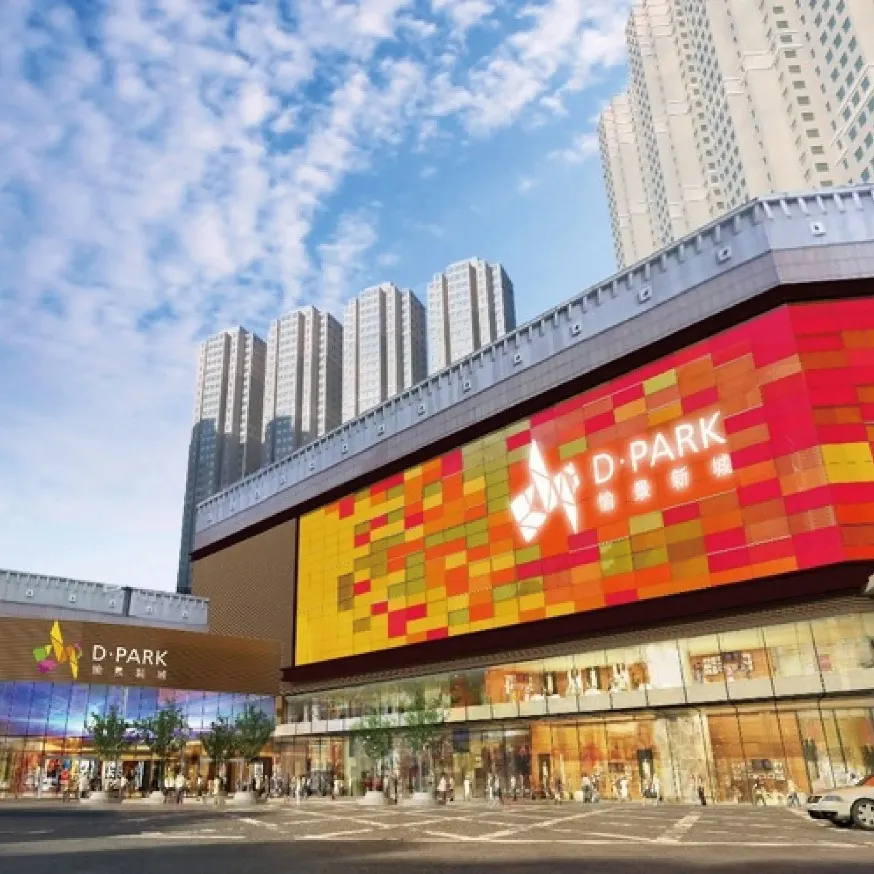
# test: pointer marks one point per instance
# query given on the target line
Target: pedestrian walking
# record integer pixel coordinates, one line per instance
(623, 788)
(466, 787)
(179, 785)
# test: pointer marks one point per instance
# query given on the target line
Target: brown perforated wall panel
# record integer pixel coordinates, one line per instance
(250, 586)
(127, 655)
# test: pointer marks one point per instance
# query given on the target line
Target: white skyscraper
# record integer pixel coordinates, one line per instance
(469, 306)
(623, 176)
(302, 381)
(383, 347)
(841, 39)
(726, 101)
(226, 438)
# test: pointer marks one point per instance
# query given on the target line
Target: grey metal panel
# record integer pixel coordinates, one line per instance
(788, 238)
(38, 611)
(165, 608)
(25, 594)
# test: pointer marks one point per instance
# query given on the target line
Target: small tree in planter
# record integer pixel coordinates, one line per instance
(219, 743)
(163, 734)
(423, 727)
(374, 735)
(253, 730)
(109, 732)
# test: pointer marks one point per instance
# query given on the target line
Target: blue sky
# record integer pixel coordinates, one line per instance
(169, 168)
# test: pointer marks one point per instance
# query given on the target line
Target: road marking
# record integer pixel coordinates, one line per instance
(678, 829)
(250, 821)
(450, 837)
(332, 835)
(41, 831)
(543, 823)
(179, 835)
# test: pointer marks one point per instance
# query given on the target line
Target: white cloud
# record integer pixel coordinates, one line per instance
(583, 146)
(388, 259)
(341, 259)
(527, 183)
(566, 40)
(171, 176)
(428, 172)
(464, 14)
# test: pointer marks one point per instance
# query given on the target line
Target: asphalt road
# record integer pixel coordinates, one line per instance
(45, 838)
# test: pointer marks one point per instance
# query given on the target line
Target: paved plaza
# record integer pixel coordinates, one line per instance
(324, 836)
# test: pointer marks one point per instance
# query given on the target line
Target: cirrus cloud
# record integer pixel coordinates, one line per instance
(170, 168)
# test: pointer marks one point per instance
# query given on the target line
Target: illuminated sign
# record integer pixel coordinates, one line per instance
(744, 456)
(547, 492)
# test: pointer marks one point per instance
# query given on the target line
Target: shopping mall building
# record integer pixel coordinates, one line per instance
(634, 538)
(71, 649)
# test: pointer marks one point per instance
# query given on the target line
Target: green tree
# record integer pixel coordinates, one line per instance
(375, 736)
(423, 728)
(164, 734)
(253, 729)
(109, 732)
(220, 742)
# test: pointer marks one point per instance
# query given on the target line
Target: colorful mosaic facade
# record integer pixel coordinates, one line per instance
(744, 456)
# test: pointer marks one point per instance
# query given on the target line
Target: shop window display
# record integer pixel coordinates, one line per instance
(845, 651)
(784, 660)
(703, 669)
(595, 680)
(665, 673)
(743, 754)
(856, 732)
(563, 684)
(792, 659)
(744, 664)
(627, 677)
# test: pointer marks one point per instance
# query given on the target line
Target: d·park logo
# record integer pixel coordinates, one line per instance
(135, 660)
(548, 491)
(57, 652)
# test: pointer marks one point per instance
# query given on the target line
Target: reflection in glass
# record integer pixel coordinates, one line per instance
(790, 650)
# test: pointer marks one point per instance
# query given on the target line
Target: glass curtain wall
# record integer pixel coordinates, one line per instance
(734, 728)
(43, 729)
(779, 661)
(736, 753)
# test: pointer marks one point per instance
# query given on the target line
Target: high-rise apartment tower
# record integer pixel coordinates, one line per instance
(728, 100)
(383, 347)
(226, 438)
(302, 382)
(470, 305)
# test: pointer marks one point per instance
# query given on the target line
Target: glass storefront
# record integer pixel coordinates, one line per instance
(739, 754)
(43, 729)
(744, 714)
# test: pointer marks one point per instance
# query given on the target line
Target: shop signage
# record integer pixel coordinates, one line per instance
(550, 492)
(70, 650)
(121, 655)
